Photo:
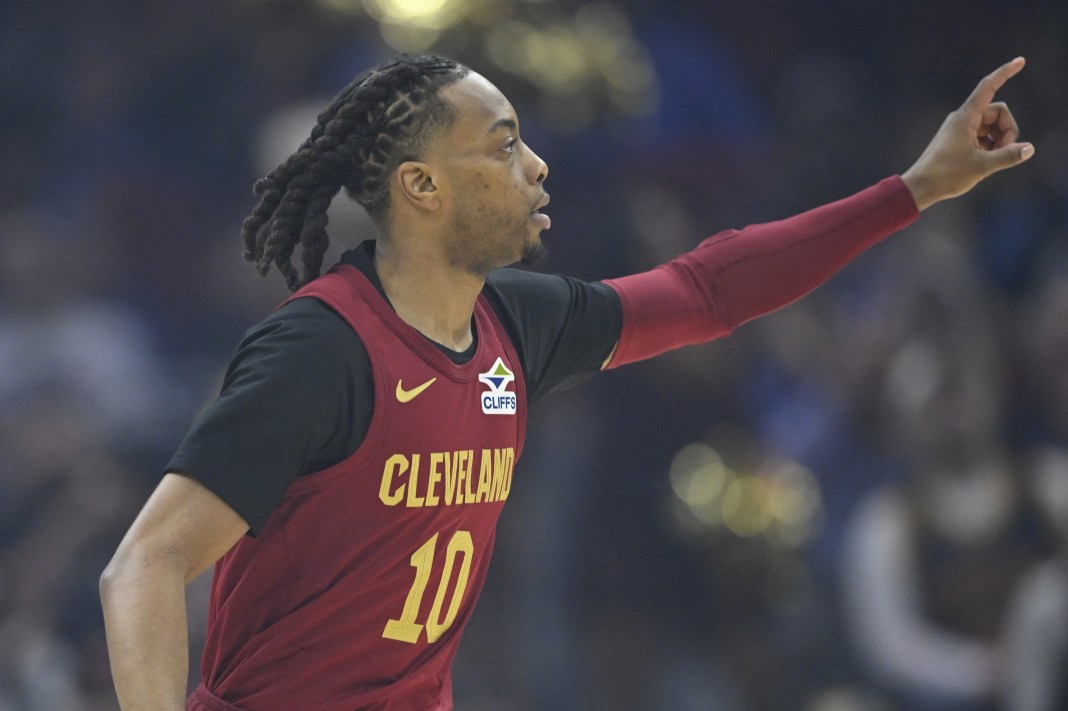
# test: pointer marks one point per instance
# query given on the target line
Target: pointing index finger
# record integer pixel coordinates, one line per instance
(989, 85)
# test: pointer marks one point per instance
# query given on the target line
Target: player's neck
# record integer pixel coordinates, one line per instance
(427, 294)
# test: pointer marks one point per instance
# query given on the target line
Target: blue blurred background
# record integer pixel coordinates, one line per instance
(857, 503)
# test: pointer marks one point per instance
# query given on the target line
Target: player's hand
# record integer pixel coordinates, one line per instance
(974, 141)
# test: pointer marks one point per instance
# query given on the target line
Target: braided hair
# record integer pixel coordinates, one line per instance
(381, 119)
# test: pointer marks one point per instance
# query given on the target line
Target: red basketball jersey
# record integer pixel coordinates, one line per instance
(356, 592)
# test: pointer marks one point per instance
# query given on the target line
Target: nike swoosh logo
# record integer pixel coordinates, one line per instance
(409, 395)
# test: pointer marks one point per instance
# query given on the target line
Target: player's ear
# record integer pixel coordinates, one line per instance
(416, 185)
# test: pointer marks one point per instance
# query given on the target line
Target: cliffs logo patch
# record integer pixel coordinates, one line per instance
(497, 400)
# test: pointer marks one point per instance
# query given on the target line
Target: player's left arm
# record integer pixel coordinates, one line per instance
(736, 276)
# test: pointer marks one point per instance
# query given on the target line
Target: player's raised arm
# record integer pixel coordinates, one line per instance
(976, 140)
(736, 276)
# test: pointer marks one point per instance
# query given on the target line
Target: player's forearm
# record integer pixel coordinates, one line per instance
(736, 276)
(145, 618)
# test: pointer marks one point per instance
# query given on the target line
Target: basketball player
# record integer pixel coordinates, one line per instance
(347, 481)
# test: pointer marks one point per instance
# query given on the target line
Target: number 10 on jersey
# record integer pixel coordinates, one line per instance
(406, 629)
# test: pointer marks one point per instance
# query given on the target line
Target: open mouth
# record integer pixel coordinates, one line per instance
(539, 217)
(542, 220)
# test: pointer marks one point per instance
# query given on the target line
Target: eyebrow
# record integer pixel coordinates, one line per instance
(503, 123)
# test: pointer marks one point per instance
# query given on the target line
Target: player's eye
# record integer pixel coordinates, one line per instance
(509, 147)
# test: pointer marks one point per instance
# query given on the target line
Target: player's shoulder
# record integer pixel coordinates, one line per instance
(509, 278)
(514, 284)
(522, 289)
(303, 324)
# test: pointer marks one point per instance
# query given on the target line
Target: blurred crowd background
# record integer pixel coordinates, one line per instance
(859, 503)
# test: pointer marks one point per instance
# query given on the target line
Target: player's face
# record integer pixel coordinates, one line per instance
(494, 181)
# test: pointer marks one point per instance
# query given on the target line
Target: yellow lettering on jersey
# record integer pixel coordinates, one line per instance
(463, 486)
(467, 460)
(434, 476)
(461, 468)
(451, 472)
(457, 471)
(503, 463)
(485, 476)
(414, 501)
(395, 466)
(450, 478)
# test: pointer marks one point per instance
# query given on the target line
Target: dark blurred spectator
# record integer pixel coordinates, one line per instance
(1036, 647)
(64, 498)
(1036, 627)
(58, 336)
(932, 563)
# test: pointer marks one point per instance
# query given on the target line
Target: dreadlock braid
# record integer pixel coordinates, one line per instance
(381, 119)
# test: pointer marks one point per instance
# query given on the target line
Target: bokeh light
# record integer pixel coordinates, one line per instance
(589, 62)
(780, 501)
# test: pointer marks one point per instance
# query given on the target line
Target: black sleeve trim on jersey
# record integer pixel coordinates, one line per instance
(563, 328)
(297, 398)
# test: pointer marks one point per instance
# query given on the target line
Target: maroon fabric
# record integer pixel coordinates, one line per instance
(737, 275)
(203, 700)
(300, 615)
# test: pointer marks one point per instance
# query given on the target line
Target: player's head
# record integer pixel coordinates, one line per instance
(382, 118)
(477, 191)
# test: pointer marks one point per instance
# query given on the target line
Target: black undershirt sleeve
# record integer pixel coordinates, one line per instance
(563, 328)
(295, 393)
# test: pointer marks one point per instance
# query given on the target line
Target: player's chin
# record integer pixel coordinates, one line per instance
(534, 251)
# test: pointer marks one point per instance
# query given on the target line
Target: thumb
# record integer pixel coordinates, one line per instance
(1007, 156)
